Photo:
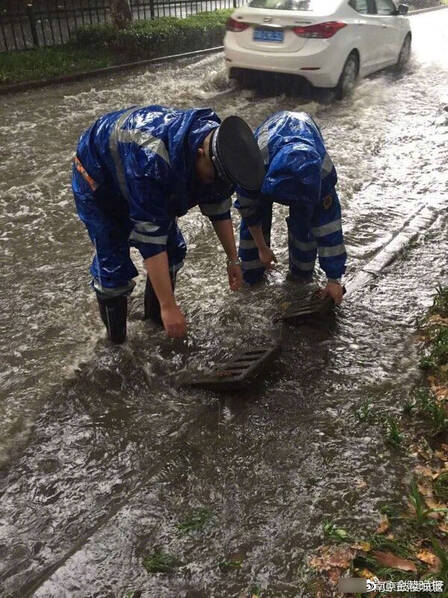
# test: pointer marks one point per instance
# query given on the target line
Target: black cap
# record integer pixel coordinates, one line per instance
(235, 154)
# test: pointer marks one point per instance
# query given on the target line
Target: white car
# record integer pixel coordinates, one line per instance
(328, 42)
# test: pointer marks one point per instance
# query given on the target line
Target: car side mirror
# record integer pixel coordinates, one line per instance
(403, 9)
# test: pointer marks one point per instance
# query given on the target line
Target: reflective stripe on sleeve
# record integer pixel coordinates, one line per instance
(145, 227)
(331, 251)
(113, 147)
(326, 229)
(216, 209)
(146, 140)
(149, 240)
(327, 166)
(246, 202)
(263, 142)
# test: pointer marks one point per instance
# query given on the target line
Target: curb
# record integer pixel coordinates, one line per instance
(27, 85)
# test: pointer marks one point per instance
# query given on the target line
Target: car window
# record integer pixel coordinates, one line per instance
(385, 7)
(302, 5)
(360, 6)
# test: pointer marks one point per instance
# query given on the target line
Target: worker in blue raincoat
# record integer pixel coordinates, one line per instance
(136, 171)
(301, 175)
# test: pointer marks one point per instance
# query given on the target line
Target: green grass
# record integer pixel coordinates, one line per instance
(99, 46)
(440, 486)
(337, 534)
(429, 408)
(160, 562)
(47, 63)
(394, 437)
(440, 304)
(196, 521)
(230, 565)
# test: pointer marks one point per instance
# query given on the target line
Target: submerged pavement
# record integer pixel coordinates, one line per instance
(103, 456)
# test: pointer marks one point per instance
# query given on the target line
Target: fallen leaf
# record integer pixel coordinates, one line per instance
(425, 487)
(442, 453)
(437, 319)
(440, 392)
(361, 484)
(366, 574)
(384, 525)
(394, 562)
(332, 556)
(390, 537)
(443, 527)
(432, 504)
(430, 559)
(423, 471)
(334, 575)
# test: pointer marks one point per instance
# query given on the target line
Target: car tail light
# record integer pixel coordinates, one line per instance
(233, 25)
(322, 30)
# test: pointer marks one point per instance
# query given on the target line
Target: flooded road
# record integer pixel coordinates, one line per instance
(104, 456)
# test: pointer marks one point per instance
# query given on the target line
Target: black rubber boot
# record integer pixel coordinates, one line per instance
(114, 312)
(152, 305)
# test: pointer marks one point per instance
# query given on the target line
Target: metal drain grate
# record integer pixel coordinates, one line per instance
(239, 371)
(311, 305)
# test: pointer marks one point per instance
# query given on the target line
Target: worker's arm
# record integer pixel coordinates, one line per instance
(224, 232)
(158, 271)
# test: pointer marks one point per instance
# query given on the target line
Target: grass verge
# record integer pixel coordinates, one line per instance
(99, 46)
(409, 548)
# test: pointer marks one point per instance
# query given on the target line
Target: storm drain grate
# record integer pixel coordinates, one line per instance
(308, 306)
(239, 371)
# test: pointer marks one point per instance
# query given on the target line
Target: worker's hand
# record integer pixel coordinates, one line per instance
(235, 276)
(335, 290)
(267, 257)
(173, 321)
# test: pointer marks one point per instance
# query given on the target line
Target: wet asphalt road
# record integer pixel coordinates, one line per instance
(103, 455)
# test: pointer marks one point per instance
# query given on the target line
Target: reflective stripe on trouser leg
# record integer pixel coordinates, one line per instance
(327, 229)
(302, 247)
(253, 270)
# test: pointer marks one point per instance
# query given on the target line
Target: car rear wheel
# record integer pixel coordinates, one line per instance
(348, 77)
(405, 54)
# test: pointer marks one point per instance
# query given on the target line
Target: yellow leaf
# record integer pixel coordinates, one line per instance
(384, 525)
(429, 558)
(366, 574)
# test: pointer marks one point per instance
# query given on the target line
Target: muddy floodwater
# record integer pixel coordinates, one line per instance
(103, 456)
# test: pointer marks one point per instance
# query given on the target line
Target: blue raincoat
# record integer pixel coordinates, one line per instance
(133, 176)
(301, 175)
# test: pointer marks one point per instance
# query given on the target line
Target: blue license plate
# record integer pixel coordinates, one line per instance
(268, 35)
